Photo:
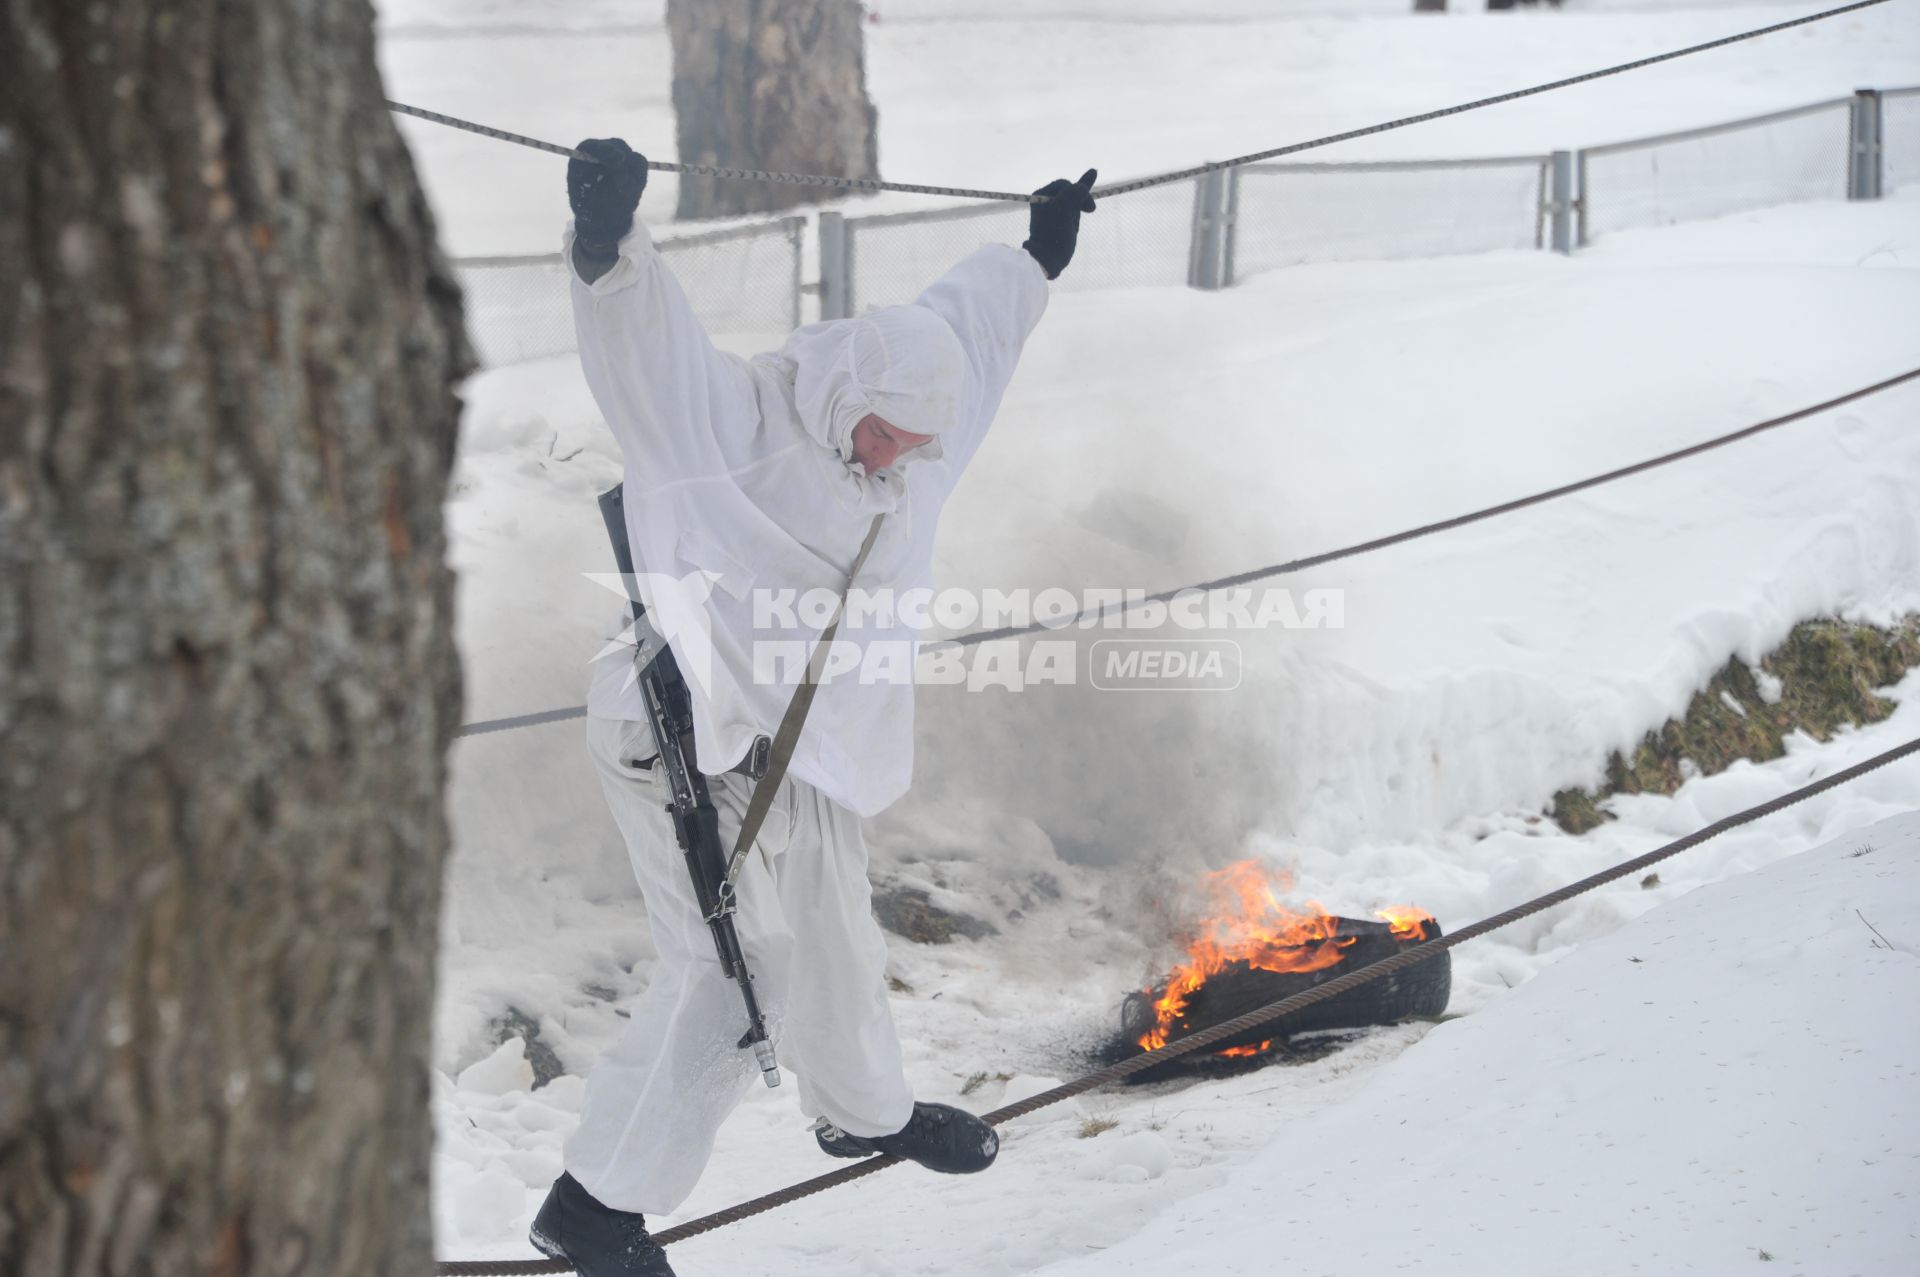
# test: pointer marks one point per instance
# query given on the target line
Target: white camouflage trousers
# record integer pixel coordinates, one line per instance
(657, 1097)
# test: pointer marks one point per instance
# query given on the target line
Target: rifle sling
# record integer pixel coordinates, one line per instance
(788, 735)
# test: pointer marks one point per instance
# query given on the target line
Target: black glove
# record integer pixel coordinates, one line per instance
(605, 194)
(1053, 227)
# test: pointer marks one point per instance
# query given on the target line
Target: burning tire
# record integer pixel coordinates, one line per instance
(1239, 986)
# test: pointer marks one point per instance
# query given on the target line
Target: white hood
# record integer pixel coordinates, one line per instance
(902, 364)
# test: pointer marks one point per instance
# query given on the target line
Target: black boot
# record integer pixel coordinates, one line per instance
(597, 1240)
(938, 1136)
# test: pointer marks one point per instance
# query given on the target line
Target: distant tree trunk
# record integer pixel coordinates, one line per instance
(227, 676)
(769, 84)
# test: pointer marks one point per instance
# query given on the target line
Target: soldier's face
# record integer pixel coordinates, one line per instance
(878, 443)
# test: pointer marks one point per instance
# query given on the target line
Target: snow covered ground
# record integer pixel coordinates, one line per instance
(1730, 1074)
(1155, 437)
(1717, 1084)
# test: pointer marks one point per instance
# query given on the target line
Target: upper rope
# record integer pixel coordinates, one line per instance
(1139, 183)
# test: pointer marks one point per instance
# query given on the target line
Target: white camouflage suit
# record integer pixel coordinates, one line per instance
(739, 479)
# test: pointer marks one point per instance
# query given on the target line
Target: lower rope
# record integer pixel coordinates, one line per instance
(521, 720)
(1226, 1029)
(1106, 614)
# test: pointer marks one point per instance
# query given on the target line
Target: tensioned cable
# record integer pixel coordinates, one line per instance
(1087, 620)
(744, 174)
(521, 720)
(1227, 1028)
(1140, 183)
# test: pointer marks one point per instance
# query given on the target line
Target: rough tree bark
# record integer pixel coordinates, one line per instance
(769, 84)
(227, 678)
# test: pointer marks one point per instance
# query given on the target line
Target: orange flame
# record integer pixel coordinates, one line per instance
(1408, 921)
(1247, 923)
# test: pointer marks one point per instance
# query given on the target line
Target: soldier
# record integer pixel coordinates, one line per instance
(751, 473)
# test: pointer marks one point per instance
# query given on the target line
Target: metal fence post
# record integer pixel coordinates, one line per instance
(1209, 216)
(797, 245)
(1230, 235)
(836, 268)
(1580, 198)
(1863, 146)
(1560, 204)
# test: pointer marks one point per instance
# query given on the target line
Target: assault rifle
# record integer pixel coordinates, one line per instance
(696, 824)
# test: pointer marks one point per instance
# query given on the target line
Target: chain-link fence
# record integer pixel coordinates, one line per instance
(1141, 240)
(1900, 136)
(1288, 214)
(741, 280)
(1780, 158)
(518, 308)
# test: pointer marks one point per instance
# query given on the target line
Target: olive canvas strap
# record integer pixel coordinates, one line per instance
(788, 735)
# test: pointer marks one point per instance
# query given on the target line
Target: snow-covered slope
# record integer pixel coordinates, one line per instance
(1166, 436)
(1733, 1078)
(1774, 1031)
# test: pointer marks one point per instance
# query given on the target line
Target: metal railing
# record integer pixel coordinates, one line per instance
(1779, 158)
(1224, 226)
(1143, 240)
(1897, 136)
(1279, 215)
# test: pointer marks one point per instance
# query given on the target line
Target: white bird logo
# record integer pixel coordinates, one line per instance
(676, 612)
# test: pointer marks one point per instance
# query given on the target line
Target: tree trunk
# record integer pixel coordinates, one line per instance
(227, 676)
(769, 84)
